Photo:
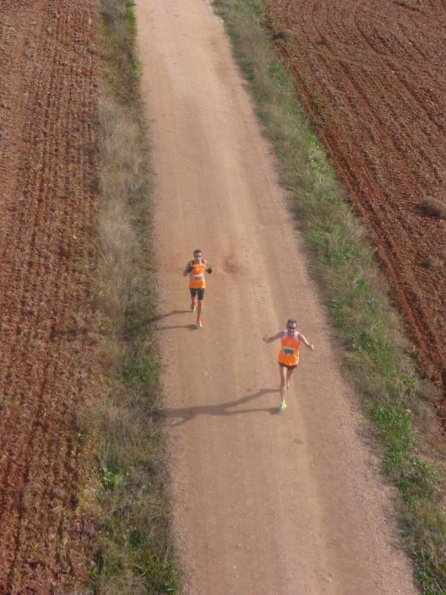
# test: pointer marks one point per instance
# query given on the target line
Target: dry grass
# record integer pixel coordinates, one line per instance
(121, 161)
(126, 497)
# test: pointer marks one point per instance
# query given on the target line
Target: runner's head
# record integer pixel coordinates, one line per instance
(291, 325)
(198, 254)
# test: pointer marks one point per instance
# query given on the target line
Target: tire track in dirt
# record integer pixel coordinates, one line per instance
(46, 118)
(371, 79)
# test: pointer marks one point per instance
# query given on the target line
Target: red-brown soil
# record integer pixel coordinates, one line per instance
(47, 99)
(372, 77)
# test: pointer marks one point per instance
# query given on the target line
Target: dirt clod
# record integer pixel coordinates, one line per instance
(433, 208)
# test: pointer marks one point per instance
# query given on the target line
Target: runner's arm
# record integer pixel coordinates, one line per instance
(273, 337)
(305, 340)
(208, 266)
(187, 270)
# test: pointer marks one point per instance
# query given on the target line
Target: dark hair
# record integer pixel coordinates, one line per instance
(198, 250)
(291, 321)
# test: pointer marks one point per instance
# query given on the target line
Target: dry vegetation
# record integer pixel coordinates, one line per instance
(127, 502)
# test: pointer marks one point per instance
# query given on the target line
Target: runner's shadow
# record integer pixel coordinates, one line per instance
(191, 327)
(147, 321)
(188, 413)
(161, 316)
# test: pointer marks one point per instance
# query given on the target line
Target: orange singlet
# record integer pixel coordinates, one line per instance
(289, 350)
(196, 276)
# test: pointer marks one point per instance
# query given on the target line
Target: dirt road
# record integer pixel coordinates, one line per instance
(263, 503)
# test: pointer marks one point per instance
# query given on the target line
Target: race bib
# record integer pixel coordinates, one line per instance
(288, 350)
(198, 277)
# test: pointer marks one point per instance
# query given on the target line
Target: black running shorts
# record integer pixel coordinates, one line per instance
(197, 291)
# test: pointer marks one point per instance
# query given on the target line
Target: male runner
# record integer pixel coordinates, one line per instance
(288, 358)
(196, 270)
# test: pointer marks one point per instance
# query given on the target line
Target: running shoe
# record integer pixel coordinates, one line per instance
(199, 324)
(287, 386)
(282, 406)
(193, 308)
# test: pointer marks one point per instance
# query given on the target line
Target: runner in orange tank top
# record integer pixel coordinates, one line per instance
(196, 270)
(288, 357)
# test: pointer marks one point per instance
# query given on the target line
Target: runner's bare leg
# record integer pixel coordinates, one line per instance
(282, 373)
(200, 307)
(289, 374)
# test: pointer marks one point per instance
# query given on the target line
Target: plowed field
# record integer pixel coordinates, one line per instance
(372, 76)
(47, 98)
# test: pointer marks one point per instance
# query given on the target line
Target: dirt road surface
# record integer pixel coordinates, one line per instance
(263, 503)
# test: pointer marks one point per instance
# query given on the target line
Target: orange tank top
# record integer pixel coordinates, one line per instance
(289, 350)
(196, 276)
